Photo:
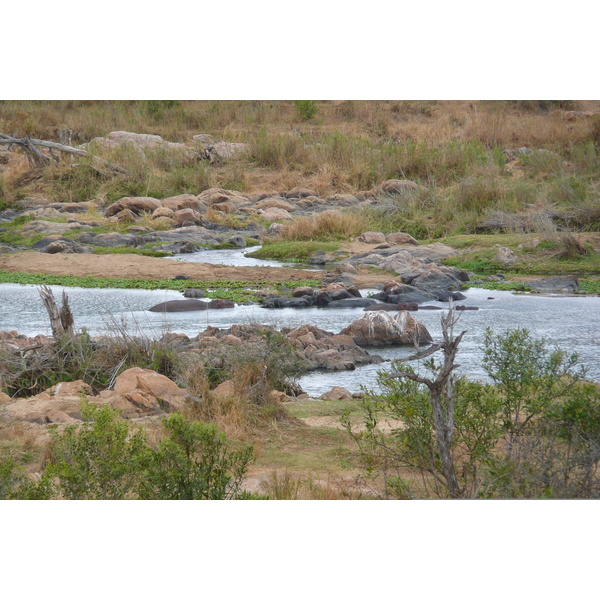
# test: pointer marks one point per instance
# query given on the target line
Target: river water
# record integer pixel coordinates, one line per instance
(572, 322)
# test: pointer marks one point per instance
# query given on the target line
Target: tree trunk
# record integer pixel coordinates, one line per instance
(61, 320)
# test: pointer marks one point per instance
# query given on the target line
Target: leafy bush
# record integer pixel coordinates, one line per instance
(306, 109)
(193, 462)
(534, 432)
(99, 460)
(105, 458)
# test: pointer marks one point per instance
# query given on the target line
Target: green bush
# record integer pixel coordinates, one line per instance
(193, 462)
(99, 460)
(534, 432)
(105, 458)
(306, 109)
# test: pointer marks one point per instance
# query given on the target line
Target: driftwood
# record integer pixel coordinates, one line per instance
(37, 159)
(61, 320)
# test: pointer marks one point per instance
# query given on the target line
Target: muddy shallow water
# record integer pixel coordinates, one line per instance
(572, 322)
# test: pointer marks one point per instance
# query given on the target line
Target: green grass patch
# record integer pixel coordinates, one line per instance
(323, 408)
(590, 286)
(293, 251)
(506, 286)
(238, 291)
(127, 250)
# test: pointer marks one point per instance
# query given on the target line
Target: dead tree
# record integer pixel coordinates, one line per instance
(61, 320)
(441, 392)
(38, 159)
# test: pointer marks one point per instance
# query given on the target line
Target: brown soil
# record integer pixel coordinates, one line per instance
(132, 266)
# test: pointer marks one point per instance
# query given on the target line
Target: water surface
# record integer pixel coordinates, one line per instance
(572, 322)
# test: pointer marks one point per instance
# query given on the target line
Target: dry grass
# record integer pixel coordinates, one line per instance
(328, 225)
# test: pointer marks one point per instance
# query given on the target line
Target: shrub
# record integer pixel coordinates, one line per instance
(306, 109)
(534, 433)
(99, 460)
(193, 462)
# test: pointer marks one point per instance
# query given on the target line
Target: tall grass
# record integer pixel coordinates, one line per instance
(328, 225)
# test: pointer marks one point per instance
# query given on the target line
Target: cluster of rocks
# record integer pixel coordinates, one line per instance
(313, 347)
(333, 295)
(201, 146)
(183, 221)
(136, 393)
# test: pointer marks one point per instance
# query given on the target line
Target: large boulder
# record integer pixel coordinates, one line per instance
(140, 141)
(438, 279)
(556, 285)
(190, 305)
(379, 328)
(400, 238)
(434, 252)
(372, 237)
(149, 390)
(321, 349)
(275, 214)
(399, 187)
(300, 192)
(108, 240)
(183, 201)
(275, 203)
(137, 205)
(48, 227)
(187, 217)
(54, 244)
(222, 151)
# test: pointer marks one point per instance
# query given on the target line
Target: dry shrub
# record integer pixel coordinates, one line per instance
(291, 486)
(500, 124)
(282, 486)
(328, 225)
(566, 246)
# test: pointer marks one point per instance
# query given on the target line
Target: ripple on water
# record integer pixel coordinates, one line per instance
(573, 323)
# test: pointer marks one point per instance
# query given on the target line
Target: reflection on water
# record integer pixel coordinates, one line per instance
(573, 323)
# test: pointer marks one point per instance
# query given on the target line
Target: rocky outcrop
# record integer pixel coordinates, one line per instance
(140, 141)
(555, 285)
(137, 205)
(321, 349)
(379, 328)
(48, 227)
(137, 393)
(54, 244)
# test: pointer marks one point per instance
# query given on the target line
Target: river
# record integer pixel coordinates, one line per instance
(571, 322)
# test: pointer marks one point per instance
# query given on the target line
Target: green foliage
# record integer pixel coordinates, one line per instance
(220, 288)
(306, 109)
(98, 460)
(533, 432)
(528, 376)
(193, 462)
(15, 485)
(156, 108)
(106, 458)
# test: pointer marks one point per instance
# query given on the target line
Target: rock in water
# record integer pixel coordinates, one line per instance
(379, 328)
(189, 305)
